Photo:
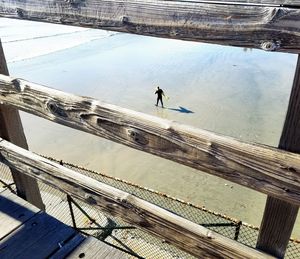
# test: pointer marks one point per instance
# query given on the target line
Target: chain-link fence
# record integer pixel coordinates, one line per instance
(131, 240)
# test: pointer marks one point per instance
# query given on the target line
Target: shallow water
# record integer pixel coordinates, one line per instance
(238, 92)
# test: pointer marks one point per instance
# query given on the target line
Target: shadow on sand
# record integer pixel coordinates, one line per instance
(180, 109)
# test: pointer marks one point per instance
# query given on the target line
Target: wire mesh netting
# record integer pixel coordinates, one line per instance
(135, 242)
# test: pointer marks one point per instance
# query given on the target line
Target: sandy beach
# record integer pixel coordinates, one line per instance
(238, 92)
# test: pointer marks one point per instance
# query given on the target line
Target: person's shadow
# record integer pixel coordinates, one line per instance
(180, 109)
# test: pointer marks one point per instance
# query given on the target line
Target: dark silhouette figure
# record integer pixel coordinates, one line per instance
(160, 94)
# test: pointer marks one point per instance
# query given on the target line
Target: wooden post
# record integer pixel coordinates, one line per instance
(279, 216)
(11, 129)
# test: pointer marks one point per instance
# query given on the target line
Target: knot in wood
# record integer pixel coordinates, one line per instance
(56, 110)
(90, 200)
(270, 45)
(74, 3)
(125, 19)
(286, 189)
(173, 33)
(20, 13)
(137, 136)
(144, 223)
(138, 28)
(36, 171)
(17, 85)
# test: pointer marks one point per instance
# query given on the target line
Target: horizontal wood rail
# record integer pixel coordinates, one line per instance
(180, 232)
(252, 2)
(271, 28)
(262, 168)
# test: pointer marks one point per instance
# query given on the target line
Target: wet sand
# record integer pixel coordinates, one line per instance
(238, 92)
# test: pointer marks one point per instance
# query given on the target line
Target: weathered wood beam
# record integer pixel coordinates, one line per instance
(265, 169)
(253, 2)
(269, 28)
(180, 232)
(11, 129)
(279, 216)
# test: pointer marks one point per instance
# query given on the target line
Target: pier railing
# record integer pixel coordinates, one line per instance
(265, 24)
(262, 168)
(182, 233)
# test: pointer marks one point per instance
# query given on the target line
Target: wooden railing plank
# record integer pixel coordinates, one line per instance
(279, 216)
(270, 28)
(252, 2)
(180, 232)
(262, 168)
(12, 130)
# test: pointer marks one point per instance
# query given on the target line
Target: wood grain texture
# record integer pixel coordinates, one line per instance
(14, 211)
(271, 28)
(68, 247)
(259, 167)
(92, 248)
(279, 216)
(295, 3)
(180, 232)
(36, 238)
(11, 129)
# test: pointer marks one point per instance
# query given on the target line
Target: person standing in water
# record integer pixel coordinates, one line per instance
(160, 93)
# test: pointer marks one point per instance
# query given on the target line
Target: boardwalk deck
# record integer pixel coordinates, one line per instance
(28, 232)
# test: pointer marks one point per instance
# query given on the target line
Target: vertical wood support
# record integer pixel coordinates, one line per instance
(279, 216)
(11, 129)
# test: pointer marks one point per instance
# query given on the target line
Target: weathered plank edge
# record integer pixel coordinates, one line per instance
(182, 233)
(262, 168)
(295, 3)
(262, 27)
